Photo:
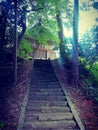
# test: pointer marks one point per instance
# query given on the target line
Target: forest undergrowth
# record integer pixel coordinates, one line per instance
(87, 108)
(12, 99)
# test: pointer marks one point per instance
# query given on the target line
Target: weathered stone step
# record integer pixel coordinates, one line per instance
(47, 86)
(42, 65)
(60, 128)
(46, 90)
(43, 72)
(44, 75)
(49, 116)
(55, 116)
(38, 81)
(44, 87)
(39, 62)
(45, 80)
(43, 69)
(39, 103)
(45, 97)
(47, 93)
(47, 109)
(44, 83)
(48, 83)
(50, 124)
(47, 77)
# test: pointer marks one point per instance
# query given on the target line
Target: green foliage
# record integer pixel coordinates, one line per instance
(42, 35)
(94, 73)
(25, 49)
(83, 65)
(89, 75)
(42, 24)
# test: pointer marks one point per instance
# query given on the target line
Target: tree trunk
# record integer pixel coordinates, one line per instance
(15, 45)
(75, 67)
(22, 32)
(61, 46)
(3, 22)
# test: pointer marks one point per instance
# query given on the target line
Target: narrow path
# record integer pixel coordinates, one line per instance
(46, 106)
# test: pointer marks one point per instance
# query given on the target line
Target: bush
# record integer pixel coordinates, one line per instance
(89, 75)
(25, 49)
(94, 74)
(83, 68)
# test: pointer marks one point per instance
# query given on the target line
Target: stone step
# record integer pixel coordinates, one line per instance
(60, 128)
(45, 97)
(48, 79)
(37, 116)
(45, 86)
(38, 81)
(47, 83)
(43, 74)
(47, 93)
(42, 62)
(45, 80)
(46, 90)
(47, 109)
(42, 65)
(55, 116)
(40, 103)
(46, 75)
(39, 64)
(44, 69)
(66, 124)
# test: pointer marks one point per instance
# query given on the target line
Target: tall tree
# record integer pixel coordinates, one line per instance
(15, 44)
(75, 44)
(60, 33)
(60, 7)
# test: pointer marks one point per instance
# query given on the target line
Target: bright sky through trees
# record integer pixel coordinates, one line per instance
(87, 20)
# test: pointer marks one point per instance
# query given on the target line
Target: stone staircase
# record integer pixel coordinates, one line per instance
(47, 107)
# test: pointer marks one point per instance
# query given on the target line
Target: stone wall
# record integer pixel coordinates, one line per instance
(42, 53)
